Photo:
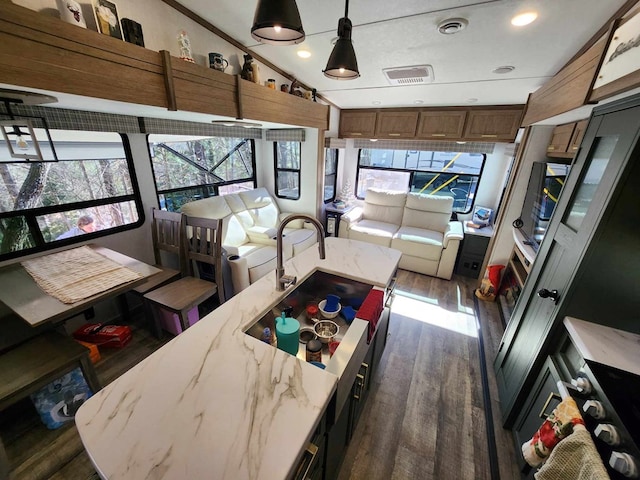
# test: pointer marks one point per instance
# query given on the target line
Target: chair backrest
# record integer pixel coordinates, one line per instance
(167, 234)
(203, 243)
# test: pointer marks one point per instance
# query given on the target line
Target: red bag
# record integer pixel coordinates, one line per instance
(104, 335)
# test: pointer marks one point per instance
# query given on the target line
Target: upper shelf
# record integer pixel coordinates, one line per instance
(42, 52)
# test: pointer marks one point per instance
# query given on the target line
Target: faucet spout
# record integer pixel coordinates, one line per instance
(283, 281)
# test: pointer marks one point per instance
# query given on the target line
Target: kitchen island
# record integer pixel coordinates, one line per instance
(216, 403)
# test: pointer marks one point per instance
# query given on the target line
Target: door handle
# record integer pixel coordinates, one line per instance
(552, 294)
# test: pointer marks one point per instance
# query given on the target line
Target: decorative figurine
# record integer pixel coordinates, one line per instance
(185, 47)
(247, 68)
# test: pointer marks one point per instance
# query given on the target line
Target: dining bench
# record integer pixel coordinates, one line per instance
(27, 367)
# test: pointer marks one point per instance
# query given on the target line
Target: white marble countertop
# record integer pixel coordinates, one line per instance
(216, 403)
(605, 345)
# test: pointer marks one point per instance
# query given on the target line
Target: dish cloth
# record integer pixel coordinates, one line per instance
(371, 309)
(574, 457)
(556, 427)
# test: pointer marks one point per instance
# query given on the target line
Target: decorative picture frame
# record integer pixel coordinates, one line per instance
(107, 18)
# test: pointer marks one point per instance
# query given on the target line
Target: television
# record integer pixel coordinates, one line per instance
(543, 191)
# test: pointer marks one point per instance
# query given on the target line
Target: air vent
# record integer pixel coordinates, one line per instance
(416, 75)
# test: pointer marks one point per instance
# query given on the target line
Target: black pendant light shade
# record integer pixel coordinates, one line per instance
(277, 22)
(342, 64)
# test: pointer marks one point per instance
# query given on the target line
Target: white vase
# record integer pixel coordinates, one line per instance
(71, 12)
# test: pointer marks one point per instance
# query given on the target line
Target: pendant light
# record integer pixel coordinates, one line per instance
(277, 22)
(342, 64)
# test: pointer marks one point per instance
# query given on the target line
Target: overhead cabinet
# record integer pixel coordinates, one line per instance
(357, 124)
(566, 139)
(438, 125)
(498, 124)
(396, 124)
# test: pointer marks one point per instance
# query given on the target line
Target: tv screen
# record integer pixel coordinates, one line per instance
(543, 191)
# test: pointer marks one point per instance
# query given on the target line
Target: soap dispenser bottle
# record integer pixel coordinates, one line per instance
(288, 332)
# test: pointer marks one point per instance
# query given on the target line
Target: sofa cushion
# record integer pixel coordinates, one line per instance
(261, 207)
(233, 232)
(372, 231)
(418, 242)
(384, 205)
(431, 212)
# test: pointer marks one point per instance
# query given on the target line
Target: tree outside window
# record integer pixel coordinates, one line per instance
(287, 169)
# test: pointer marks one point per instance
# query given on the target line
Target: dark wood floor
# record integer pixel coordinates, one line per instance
(424, 418)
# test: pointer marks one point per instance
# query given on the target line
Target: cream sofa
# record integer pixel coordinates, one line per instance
(249, 224)
(417, 225)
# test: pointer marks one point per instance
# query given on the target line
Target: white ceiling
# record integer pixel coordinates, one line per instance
(404, 33)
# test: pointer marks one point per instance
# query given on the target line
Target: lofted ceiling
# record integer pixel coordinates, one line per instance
(388, 34)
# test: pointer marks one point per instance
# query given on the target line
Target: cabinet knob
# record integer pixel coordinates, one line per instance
(582, 384)
(608, 434)
(595, 409)
(624, 464)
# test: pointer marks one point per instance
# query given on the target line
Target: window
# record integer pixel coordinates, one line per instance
(190, 168)
(435, 173)
(330, 173)
(287, 169)
(92, 190)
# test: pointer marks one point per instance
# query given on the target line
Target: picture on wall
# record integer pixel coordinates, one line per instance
(107, 18)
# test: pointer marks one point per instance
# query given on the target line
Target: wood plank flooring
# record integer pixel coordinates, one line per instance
(424, 417)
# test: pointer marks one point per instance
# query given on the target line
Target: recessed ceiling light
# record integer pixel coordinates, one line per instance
(472, 100)
(452, 25)
(376, 102)
(460, 143)
(418, 102)
(504, 69)
(304, 53)
(524, 19)
(373, 139)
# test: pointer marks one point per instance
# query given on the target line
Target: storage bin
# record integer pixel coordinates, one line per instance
(170, 321)
(58, 402)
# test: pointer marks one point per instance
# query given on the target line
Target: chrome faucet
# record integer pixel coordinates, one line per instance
(284, 281)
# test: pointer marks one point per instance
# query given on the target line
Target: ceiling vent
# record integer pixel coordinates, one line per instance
(452, 25)
(416, 75)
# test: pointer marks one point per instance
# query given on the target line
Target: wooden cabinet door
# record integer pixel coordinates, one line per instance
(445, 124)
(396, 124)
(357, 124)
(560, 139)
(576, 138)
(493, 125)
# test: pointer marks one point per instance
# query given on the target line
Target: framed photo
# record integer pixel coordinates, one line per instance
(107, 18)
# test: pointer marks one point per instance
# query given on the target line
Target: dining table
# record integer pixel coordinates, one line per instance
(24, 296)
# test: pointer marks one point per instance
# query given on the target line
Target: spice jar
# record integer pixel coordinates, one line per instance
(271, 83)
(314, 351)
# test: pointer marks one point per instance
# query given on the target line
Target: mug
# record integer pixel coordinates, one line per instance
(217, 61)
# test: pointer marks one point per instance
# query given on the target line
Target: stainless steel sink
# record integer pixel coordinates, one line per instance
(314, 288)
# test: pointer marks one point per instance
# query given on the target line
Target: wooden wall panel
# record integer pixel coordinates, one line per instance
(262, 103)
(570, 88)
(203, 90)
(43, 52)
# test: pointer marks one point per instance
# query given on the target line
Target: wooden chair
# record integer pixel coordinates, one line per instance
(202, 238)
(166, 234)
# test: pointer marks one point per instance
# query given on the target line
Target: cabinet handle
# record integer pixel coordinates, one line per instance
(394, 134)
(357, 393)
(493, 135)
(438, 134)
(551, 148)
(543, 413)
(307, 462)
(365, 366)
(354, 133)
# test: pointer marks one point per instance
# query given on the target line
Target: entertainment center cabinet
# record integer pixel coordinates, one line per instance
(514, 276)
